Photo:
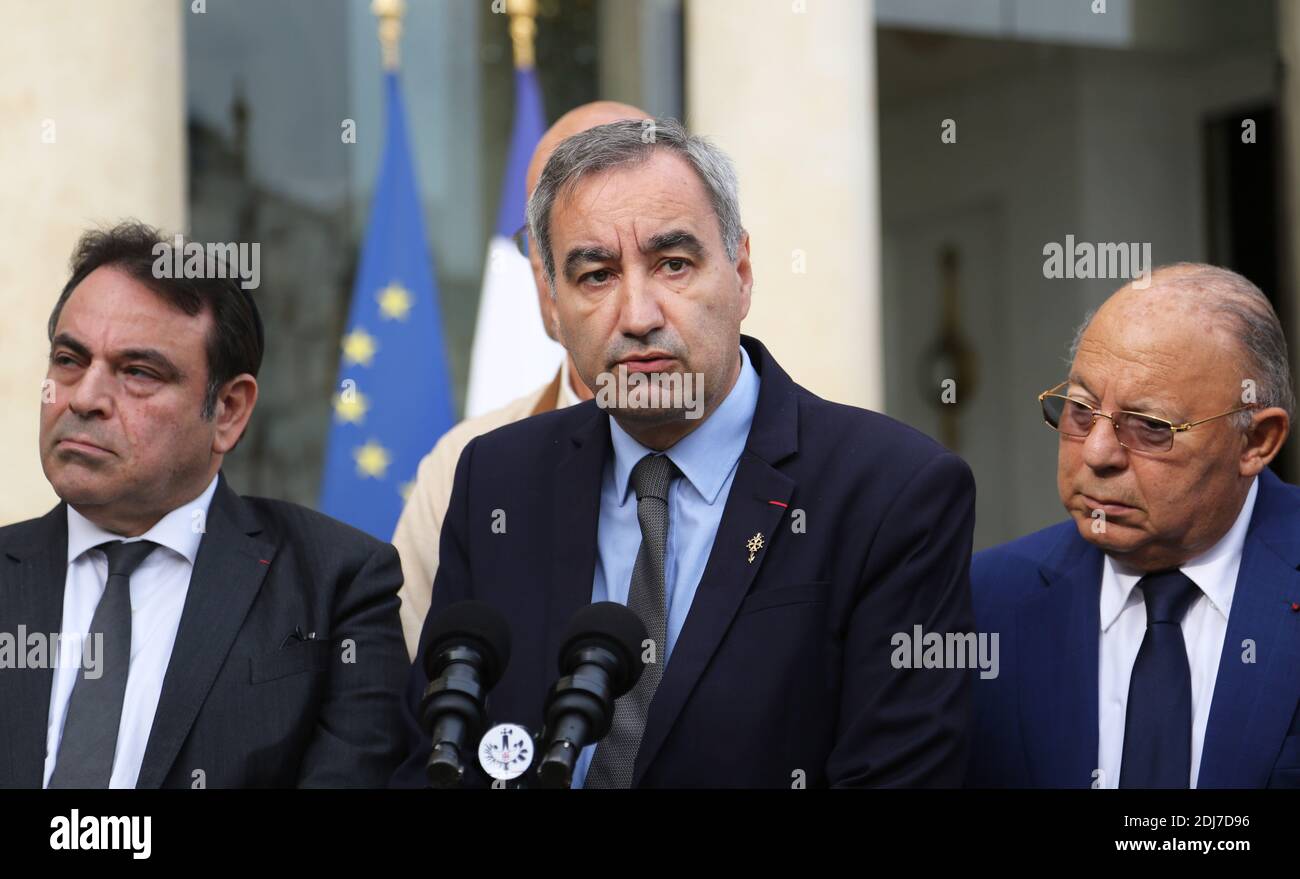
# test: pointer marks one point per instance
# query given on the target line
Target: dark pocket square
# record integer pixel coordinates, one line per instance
(298, 656)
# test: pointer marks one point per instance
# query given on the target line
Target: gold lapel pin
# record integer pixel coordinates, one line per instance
(754, 544)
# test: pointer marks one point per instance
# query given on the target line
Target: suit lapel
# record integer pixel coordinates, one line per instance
(228, 573)
(1059, 631)
(575, 518)
(728, 575)
(1254, 701)
(33, 573)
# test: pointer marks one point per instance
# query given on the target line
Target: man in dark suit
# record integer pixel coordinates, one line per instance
(774, 544)
(163, 631)
(1154, 640)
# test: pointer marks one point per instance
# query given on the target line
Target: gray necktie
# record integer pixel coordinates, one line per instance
(612, 765)
(95, 708)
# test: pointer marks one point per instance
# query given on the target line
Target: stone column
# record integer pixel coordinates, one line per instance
(788, 89)
(93, 107)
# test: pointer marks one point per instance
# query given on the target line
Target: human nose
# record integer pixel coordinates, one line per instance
(641, 313)
(1101, 448)
(91, 394)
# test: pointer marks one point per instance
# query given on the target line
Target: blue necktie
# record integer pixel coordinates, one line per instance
(1158, 720)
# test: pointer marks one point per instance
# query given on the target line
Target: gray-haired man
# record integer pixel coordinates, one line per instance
(773, 543)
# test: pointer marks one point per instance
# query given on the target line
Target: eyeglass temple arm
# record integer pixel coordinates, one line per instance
(1190, 424)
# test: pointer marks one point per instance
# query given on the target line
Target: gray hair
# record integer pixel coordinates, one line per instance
(628, 143)
(1249, 317)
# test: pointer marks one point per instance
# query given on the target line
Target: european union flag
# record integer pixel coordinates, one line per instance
(393, 398)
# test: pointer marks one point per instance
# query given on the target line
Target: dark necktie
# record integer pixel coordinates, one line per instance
(1158, 719)
(615, 756)
(95, 707)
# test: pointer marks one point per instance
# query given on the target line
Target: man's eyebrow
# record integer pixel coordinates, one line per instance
(151, 356)
(677, 239)
(154, 357)
(580, 255)
(66, 340)
(1142, 405)
(1075, 380)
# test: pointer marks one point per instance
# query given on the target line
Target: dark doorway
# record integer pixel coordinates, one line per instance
(1243, 213)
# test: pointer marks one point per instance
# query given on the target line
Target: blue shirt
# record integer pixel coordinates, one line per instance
(707, 458)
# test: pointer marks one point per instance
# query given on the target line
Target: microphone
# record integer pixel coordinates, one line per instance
(600, 660)
(468, 652)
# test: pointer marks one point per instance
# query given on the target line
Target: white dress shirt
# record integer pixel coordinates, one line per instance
(158, 590)
(1123, 626)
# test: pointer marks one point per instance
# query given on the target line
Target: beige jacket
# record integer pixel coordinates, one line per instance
(420, 526)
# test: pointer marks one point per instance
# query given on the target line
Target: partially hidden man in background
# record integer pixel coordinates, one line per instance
(420, 526)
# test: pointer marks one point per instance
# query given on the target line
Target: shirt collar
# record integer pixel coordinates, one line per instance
(175, 530)
(706, 455)
(1213, 571)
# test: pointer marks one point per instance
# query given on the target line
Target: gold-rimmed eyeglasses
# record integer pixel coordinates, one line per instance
(1134, 430)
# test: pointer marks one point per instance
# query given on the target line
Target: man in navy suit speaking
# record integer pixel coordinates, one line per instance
(1154, 639)
(775, 544)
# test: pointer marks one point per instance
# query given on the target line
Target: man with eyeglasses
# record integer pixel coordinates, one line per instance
(1153, 641)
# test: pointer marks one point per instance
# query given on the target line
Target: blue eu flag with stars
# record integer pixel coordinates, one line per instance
(392, 400)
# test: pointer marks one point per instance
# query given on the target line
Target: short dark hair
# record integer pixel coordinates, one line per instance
(236, 342)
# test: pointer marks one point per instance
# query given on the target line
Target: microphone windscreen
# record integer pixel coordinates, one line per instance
(476, 623)
(614, 627)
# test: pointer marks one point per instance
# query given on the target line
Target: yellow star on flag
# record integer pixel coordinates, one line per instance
(359, 347)
(395, 301)
(372, 459)
(406, 488)
(351, 406)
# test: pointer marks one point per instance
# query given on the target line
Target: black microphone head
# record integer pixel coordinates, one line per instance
(475, 623)
(614, 627)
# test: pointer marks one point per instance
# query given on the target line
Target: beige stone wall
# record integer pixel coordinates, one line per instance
(92, 103)
(787, 87)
